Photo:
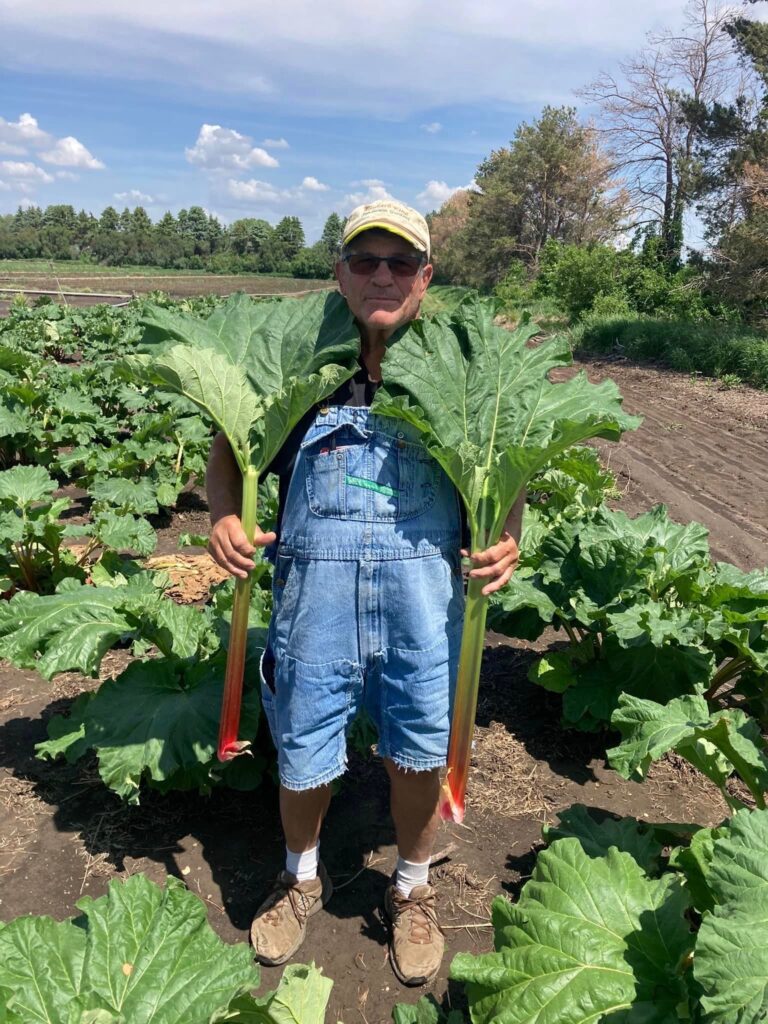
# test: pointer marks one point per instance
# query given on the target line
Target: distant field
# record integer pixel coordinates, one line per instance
(123, 282)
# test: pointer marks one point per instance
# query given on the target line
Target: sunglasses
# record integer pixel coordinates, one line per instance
(364, 263)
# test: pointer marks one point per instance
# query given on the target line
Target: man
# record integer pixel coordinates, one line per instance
(368, 602)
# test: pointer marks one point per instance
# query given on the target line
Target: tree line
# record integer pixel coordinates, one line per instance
(191, 240)
(682, 131)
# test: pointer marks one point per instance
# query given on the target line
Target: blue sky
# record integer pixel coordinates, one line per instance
(252, 110)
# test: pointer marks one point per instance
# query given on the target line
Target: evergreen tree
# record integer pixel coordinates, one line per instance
(332, 232)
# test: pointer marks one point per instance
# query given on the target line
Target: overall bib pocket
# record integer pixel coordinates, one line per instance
(372, 477)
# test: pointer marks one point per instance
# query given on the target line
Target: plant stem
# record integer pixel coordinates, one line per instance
(453, 792)
(229, 746)
(724, 675)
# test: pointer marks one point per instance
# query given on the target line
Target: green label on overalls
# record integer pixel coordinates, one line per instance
(370, 485)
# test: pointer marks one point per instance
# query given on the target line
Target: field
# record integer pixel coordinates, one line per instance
(701, 451)
(75, 284)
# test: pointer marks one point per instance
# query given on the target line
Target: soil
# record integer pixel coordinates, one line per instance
(62, 835)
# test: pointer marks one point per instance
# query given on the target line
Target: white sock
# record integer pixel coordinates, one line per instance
(409, 875)
(302, 865)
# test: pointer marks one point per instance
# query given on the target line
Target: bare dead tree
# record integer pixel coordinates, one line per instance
(642, 114)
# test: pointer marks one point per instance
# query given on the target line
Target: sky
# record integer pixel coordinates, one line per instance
(252, 109)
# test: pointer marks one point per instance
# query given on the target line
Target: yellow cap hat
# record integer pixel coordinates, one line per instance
(388, 215)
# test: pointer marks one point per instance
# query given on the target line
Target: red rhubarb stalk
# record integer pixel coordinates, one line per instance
(229, 745)
(453, 792)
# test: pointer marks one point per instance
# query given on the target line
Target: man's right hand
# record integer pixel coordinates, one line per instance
(229, 547)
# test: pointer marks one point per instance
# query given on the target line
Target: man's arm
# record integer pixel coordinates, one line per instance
(228, 544)
(497, 563)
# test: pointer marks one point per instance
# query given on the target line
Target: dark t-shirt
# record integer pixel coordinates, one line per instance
(358, 391)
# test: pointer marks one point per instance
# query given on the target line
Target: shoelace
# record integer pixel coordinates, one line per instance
(299, 901)
(422, 920)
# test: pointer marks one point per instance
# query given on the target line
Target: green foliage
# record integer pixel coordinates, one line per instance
(252, 368)
(645, 611)
(599, 281)
(486, 408)
(589, 937)
(714, 349)
(145, 955)
(552, 182)
(606, 928)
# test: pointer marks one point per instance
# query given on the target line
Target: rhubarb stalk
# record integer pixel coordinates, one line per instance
(452, 794)
(229, 745)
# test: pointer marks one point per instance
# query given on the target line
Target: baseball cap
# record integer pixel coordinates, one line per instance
(388, 215)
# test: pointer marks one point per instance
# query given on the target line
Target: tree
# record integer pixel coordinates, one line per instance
(553, 182)
(733, 183)
(288, 237)
(108, 220)
(644, 116)
(445, 232)
(331, 236)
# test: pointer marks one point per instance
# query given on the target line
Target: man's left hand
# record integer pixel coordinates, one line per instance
(496, 563)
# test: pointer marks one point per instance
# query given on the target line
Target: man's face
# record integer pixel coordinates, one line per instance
(381, 301)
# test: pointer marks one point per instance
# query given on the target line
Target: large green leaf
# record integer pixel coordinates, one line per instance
(716, 743)
(590, 938)
(73, 629)
(598, 835)
(140, 954)
(158, 720)
(253, 368)
(24, 485)
(487, 412)
(300, 998)
(731, 960)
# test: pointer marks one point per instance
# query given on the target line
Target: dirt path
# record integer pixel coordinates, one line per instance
(701, 451)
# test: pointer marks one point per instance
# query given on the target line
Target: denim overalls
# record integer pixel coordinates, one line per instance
(368, 599)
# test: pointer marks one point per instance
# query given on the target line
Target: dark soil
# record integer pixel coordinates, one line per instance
(63, 835)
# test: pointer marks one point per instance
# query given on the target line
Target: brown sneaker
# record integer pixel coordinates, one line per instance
(416, 943)
(280, 923)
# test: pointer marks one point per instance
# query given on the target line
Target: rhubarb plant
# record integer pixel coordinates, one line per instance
(488, 413)
(145, 955)
(254, 369)
(608, 928)
(645, 611)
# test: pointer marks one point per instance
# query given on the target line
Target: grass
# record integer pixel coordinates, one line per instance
(729, 352)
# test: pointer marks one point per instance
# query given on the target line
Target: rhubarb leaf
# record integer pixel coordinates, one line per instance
(731, 962)
(716, 743)
(140, 954)
(252, 368)
(598, 835)
(158, 720)
(300, 998)
(589, 938)
(485, 407)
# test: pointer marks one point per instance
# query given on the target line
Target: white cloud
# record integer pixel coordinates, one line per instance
(313, 185)
(67, 176)
(376, 190)
(254, 191)
(304, 58)
(434, 194)
(276, 143)
(69, 152)
(26, 203)
(22, 134)
(432, 128)
(219, 149)
(133, 195)
(25, 172)
(4, 186)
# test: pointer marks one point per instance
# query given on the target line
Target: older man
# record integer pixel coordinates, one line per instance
(368, 602)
